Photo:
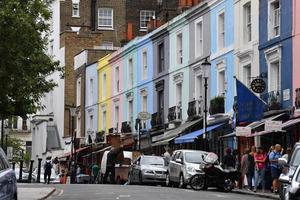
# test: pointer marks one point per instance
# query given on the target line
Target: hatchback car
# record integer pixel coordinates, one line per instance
(292, 190)
(183, 165)
(148, 169)
(8, 181)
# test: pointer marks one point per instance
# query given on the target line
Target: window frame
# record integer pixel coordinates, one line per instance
(106, 27)
(271, 19)
(144, 28)
(161, 57)
(78, 14)
(247, 9)
(199, 52)
(144, 64)
(179, 48)
(130, 73)
(222, 12)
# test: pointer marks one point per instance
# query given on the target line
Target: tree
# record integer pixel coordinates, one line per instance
(24, 63)
(16, 144)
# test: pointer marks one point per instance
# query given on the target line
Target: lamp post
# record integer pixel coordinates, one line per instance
(205, 67)
(73, 171)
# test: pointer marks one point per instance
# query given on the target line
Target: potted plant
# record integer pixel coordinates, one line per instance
(217, 105)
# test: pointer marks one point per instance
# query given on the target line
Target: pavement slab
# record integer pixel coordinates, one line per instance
(34, 192)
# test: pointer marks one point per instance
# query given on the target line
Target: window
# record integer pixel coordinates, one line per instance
(221, 30)
(3, 164)
(91, 122)
(116, 117)
(274, 19)
(144, 103)
(104, 87)
(104, 120)
(145, 17)
(91, 96)
(178, 94)
(144, 61)
(247, 75)
(160, 100)
(105, 18)
(161, 58)
(24, 125)
(117, 81)
(78, 126)
(107, 45)
(198, 87)
(75, 10)
(130, 73)
(199, 39)
(221, 82)
(15, 122)
(274, 77)
(130, 111)
(247, 22)
(78, 94)
(179, 49)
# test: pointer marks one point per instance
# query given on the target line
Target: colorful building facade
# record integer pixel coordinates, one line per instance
(296, 50)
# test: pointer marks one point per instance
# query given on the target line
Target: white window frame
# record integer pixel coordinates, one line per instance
(117, 79)
(247, 22)
(221, 67)
(103, 26)
(78, 91)
(74, 7)
(271, 18)
(104, 85)
(199, 87)
(144, 64)
(130, 110)
(221, 44)
(91, 118)
(107, 45)
(198, 39)
(273, 55)
(245, 79)
(104, 116)
(130, 73)
(91, 91)
(179, 48)
(161, 65)
(116, 115)
(148, 14)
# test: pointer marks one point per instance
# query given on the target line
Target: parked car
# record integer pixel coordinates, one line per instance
(8, 181)
(24, 174)
(183, 165)
(148, 169)
(292, 190)
(290, 167)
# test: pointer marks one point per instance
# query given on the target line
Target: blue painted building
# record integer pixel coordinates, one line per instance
(91, 100)
(275, 51)
(222, 58)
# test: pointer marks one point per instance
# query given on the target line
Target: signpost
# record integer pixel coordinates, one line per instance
(142, 116)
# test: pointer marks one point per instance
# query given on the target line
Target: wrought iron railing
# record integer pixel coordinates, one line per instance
(175, 113)
(273, 100)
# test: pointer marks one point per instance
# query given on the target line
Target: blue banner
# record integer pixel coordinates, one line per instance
(250, 108)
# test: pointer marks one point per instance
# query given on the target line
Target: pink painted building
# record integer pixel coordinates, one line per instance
(296, 50)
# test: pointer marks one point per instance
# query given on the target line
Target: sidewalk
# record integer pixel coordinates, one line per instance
(34, 193)
(267, 195)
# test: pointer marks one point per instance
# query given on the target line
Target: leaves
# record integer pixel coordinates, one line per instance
(24, 64)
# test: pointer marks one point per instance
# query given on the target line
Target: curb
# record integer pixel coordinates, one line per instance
(256, 194)
(48, 195)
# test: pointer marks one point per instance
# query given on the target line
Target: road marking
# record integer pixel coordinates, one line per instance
(123, 196)
(220, 196)
(61, 192)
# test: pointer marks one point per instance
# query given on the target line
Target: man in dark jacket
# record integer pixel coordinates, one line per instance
(47, 170)
(110, 164)
(229, 159)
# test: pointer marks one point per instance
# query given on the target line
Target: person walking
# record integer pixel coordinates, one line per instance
(275, 167)
(110, 165)
(260, 166)
(229, 159)
(95, 173)
(244, 166)
(47, 170)
(251, 167)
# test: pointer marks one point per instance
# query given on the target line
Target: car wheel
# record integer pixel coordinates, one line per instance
(168, 180)
(197, 182)
(181, 182)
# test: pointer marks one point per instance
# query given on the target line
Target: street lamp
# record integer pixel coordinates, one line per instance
(73, 171)
(205, 67)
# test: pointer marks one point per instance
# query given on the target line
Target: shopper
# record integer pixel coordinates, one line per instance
(244, 166)
(229, 159)
(275, 167)
(260, 166)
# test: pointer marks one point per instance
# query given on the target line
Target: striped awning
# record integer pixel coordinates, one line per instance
(290, 123)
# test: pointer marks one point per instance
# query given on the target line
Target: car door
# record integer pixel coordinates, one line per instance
(178, 165)
(172, 166)
(6, 179)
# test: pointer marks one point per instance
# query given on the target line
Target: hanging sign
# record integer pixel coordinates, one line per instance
(242, 131)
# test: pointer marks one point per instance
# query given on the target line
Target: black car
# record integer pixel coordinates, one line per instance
(8, 181)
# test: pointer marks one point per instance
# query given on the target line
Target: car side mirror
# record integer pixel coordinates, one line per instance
(179, 161)
(285, 179)
(282, 161)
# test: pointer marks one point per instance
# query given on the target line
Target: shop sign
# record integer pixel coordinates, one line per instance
(242, 131)
(144, 116)
(273, 125)
(258, 85)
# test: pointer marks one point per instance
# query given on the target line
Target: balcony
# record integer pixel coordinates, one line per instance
(297, 98)
(273, 99)
(175, 114)
(126, 127)
(157, 119)
(217, 105)
(195, 109)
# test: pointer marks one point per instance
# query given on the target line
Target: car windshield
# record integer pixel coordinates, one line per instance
(295, 159)
(194, 157)
(153, 161)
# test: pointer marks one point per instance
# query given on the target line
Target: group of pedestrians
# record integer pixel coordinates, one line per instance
(259, 167)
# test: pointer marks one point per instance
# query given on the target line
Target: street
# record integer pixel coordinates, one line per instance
(132, 192)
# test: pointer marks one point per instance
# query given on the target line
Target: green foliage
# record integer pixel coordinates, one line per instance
(24, 64)
(16, 144)
(217, 105)
(26, 158)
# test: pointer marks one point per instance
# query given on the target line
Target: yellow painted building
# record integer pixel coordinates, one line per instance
(104, 87)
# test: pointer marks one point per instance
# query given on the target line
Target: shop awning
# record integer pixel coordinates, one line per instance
(256, 124)
(290, 123)
(77, 151)
(192, 136)
(162, 142)
(228, 135)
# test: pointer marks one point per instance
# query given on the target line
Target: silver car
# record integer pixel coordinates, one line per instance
(183, 165)
(8, 181)
(148, 169)
(292, 190)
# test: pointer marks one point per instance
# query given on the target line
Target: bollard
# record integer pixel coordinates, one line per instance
(21, 169)
(38, 179)
(13, 165)
(30, 171)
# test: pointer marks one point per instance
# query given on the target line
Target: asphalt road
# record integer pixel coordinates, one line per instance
(129, 192)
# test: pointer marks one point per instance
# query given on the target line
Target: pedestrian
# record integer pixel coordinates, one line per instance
(275, 167)
(253, 150)
(244, 166)
(251, 168)
(110, 165)
(260, 165)
(78, 172)
(229, 159)
(287, 154)
(95, 173)
(167, 155)
(47, 170)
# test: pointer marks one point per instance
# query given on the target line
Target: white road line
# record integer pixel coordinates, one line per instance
(61, 192)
